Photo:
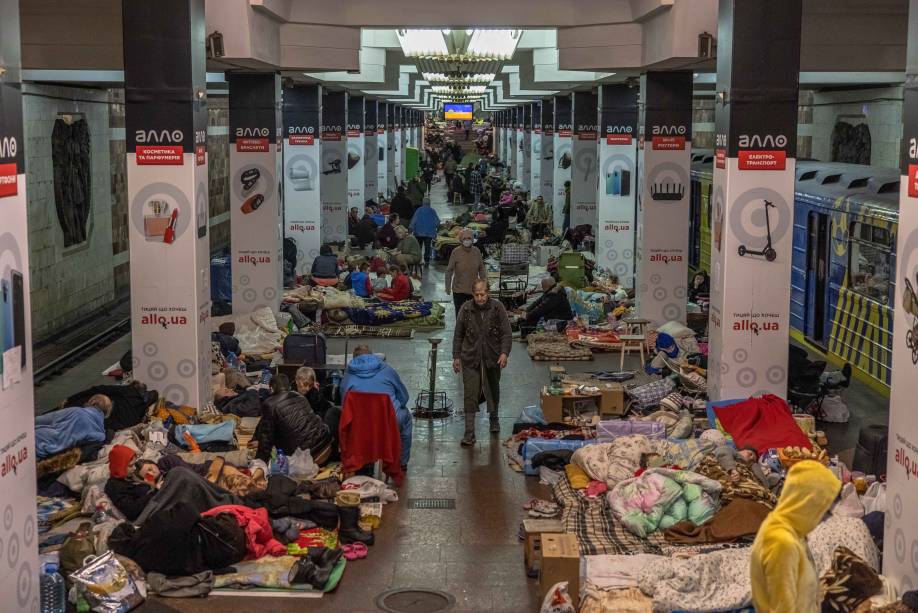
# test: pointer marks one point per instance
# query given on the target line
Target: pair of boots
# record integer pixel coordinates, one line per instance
(469, 438)
(315, 568)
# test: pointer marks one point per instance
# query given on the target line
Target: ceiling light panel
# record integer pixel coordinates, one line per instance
(463, 79)
(498, 44)
(416, 43)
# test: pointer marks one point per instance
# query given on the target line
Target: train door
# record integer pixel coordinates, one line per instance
(817, 270)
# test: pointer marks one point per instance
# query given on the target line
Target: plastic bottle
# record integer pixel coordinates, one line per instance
(231, 360)
(281, 465)
(53, 592)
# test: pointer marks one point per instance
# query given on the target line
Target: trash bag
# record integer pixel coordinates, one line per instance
(874, 499)
(849, 505)
(301, 465)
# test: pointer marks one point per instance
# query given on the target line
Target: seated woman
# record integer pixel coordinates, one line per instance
(325, 267)
(400, 289)
(63, 429)
(289, 423)
(306, 385)
(408, 252)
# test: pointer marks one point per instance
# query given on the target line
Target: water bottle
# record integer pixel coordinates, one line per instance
(265, 376)
(231, 360)
(53, 591)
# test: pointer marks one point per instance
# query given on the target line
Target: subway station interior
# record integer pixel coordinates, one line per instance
(492, 306)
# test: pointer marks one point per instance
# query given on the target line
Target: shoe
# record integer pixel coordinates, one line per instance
(468, 440)
(349, 531)
(325, 557)
(495, 426)
(306, 572)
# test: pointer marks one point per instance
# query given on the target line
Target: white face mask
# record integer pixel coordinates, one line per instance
(467, 242)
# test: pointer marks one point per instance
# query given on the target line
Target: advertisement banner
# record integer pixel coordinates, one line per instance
(255, 215)
(356, 179)
(398, 145)
(405, 143)
(535, 150)
(524, 158)
(302, 116)
(752, 200)
(663, 215)
(333, 134)
(547, 156)
(617, 193)
(513, 143)
(168, 204)
(508, 152)
(19, 570)
(584, 156)
(370, 154)
(382, 146)
(563, 158)
(391, 150)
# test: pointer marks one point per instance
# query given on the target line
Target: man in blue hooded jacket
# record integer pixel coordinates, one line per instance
(366, 372)
(424, 226)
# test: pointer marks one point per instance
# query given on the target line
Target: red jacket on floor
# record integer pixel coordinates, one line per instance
(368, 432)
(259, 536)
(400, 290)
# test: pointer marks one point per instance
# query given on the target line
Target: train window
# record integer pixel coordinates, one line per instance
(869, 252)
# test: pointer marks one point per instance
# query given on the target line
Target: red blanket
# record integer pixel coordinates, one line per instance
(762, 423)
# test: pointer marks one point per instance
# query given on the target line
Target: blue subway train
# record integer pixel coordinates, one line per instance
(844, 259)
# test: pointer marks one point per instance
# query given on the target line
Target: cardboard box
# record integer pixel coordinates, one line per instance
(560, 562)
(612, 394)
(552, 406)
(532, 548)
(556, 407)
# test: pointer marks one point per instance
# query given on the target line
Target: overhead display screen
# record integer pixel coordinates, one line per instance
(453, 110)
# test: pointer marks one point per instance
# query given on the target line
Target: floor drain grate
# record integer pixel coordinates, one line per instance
(415, 600)
(439, 504)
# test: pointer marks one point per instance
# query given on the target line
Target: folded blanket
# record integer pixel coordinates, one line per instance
(736, 520)
(388, 313)
(717, 581)
(661, 497)
(616, 461)
(762, 423)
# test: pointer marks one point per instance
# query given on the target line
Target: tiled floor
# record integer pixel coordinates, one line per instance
(471, 552)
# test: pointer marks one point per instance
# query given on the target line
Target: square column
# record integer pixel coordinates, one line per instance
(535, 150)
(382, 144)
(403, 153)
(302, 116)
(255, 165)
(370, 152)
(663, 213)
(584, 154)
(356, 182)
(563, 159)
(398, 147)
(524, 156)
(166, 131)
(547, 154)
(500, 136)
(334, 167)
(19, 571)
(513, 143)
(391, 150)
(752, 201)
(616, 199)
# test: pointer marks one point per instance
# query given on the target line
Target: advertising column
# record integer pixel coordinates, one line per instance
(508, 146)
(302, 179)
(499, 136)
(370, 153)
(334, 166)
(663, 215)
(900, 551)
(398, 144)
(167, 194)
(535, 150)
(406, 142)
(382, 145)
(547, 157)
(758, 64)
(584, 153)
(513, 143)
(391, 151)
(19, 570)
(255, 166)
(563, 159)
(616, 201)
(356, 182)
(525, 147)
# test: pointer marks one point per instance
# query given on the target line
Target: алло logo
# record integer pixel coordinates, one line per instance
(668, 130)
(253, 132)
(8, 147)
(157, 137)
(746, 141)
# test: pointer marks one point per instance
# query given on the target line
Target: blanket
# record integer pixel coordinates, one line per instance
(389, 313)
(60, 430)
(717, 581)
(257, 331)
(616, 461)
(762, 423)
(736, 520)
(552, 346)
(747, 486)
(596, 529)
(661, 497)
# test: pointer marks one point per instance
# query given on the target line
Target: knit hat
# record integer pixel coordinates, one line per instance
(119, 458)
(228, 328)
(713, 436)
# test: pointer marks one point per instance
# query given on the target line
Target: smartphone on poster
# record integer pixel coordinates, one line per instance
(19, 323)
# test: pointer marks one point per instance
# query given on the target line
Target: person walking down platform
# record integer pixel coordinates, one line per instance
(481, 346)
(465, 268)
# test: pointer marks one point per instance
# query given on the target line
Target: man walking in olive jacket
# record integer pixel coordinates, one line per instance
(465, 267)
(481, 345)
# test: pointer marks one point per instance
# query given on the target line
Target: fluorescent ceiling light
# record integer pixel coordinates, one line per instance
(439, 77)
(468, 89)
(499, 44)
(422, 43)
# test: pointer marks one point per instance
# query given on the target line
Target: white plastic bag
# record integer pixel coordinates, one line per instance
(874, 499)
(835, 409)
(849, 505)
(301, 465)
(558, 600)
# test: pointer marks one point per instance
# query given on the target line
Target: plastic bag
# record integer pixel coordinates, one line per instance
(874, 499)
(849, 505)
(835, 409)
(107, 586)
(301, 465)
(558, 600)
(532, 415)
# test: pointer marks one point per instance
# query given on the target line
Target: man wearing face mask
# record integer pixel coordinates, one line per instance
(465, 268)
(481, 344)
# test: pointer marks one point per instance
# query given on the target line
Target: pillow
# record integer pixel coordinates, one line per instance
(676, 329)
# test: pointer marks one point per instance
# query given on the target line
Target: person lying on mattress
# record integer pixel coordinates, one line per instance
(70, 427)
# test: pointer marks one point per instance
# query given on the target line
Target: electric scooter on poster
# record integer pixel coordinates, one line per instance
(769, 252)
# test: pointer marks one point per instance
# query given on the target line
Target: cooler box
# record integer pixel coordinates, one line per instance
(608, 431)
(535, 446)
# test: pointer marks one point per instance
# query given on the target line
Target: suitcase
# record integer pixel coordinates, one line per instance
(871, 451)
(306, 348)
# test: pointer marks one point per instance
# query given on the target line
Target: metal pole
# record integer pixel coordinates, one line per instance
(431, 395)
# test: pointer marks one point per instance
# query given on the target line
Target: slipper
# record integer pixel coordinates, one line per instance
(354, 551)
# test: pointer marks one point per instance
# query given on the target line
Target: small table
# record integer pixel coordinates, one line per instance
(639, 323)
(631, 342)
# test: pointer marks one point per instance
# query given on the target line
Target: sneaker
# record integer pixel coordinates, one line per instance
(468, 440)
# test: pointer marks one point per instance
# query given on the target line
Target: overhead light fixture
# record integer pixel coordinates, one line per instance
(468, 89)
(464, 79)
(446, 31)
(416, 43)
(496, 44)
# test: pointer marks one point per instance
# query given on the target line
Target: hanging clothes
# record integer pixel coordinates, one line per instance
(71, 157)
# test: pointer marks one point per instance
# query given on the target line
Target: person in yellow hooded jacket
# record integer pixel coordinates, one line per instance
(783, 577)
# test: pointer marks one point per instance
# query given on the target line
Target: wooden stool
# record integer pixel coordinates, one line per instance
(631, 343)
(633, 323)
(457, 199)
(532, 548)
